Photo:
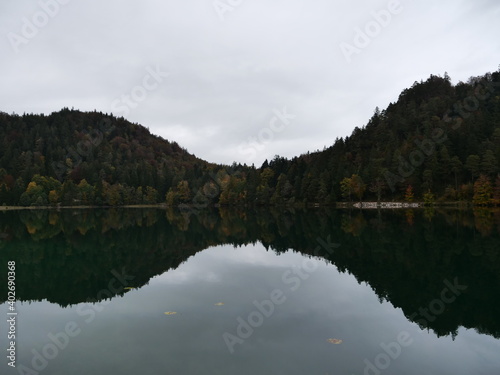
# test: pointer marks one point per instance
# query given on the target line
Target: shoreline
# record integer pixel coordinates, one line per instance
(337, 205)
(56, 208)
(404, 205)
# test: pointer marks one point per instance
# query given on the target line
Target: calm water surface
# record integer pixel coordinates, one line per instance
(316, 292)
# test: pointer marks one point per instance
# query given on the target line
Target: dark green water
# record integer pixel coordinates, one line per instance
(268, 292)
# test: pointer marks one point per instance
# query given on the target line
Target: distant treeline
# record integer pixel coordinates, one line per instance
(438, 142)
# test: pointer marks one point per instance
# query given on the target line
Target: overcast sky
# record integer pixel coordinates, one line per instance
(291, 75)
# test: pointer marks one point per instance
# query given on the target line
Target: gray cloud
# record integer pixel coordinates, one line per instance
(227, 77)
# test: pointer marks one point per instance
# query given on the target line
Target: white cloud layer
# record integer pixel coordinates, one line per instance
(229, 68)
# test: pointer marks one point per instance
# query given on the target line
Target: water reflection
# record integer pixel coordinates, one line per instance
(406, 257)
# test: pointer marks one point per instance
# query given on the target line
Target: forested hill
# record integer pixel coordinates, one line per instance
(72, 157)
(437, 142)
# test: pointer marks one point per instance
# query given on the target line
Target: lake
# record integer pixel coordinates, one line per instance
(151, 291)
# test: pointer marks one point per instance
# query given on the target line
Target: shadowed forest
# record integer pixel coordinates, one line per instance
(438, 142)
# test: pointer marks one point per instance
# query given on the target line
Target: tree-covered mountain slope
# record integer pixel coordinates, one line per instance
(438, 141)
(436, 138)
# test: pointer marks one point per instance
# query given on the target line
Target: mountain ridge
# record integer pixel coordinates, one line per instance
(438, 141)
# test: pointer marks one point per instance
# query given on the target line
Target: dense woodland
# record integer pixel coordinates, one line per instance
(438, 143)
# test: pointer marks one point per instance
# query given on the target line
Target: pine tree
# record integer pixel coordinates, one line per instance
(472, 164)
(489, 163)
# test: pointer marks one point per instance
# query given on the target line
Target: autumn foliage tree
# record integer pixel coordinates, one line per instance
(346, 188)
(483, 191)
(496, 192)
(358, 186)
(409, 194)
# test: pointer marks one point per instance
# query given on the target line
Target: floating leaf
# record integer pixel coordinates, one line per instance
(334, 341)
(219, 304)
(170, 313)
